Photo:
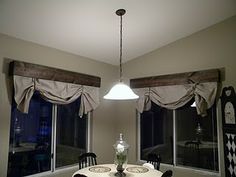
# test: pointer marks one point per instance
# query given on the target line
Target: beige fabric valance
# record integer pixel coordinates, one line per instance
(54, 92)
(175, 96)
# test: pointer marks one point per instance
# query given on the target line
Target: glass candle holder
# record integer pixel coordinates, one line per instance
(121, 156)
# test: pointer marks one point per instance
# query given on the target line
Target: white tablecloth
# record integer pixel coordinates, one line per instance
(135, 172)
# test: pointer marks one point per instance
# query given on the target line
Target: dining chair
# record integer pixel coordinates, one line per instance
(79, 175)
(192, 144)
(87, 159)
(42, 156)
(167, 173)
(155, 160)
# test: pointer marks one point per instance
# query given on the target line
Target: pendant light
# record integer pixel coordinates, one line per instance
(120, 91)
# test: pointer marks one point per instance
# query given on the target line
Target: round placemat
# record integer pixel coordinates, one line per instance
(99, 169)
(137, 169)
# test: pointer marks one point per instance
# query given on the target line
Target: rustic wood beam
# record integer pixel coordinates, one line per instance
(49, 73)
(212, 75)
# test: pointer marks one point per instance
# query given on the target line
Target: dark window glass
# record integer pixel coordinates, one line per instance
(196, 136)
(30, 139)
(196, 143)
(71, 134)
(156, 133)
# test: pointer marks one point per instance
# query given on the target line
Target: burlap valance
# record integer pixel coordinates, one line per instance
(175, 96)
(54, 92)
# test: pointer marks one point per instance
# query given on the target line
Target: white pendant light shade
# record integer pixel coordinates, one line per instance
(120, 91)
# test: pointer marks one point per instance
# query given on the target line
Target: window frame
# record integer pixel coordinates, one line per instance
(174, 165)
(53, 169)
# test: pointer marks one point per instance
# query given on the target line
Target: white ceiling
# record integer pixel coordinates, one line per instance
(90, 28)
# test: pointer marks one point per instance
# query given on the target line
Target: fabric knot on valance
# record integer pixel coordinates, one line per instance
(176, 96)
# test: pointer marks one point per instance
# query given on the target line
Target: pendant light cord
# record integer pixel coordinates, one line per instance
(121, 74)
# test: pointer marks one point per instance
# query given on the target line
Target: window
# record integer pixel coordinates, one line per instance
(156, 133)
(193, 138)
(71, 139)
(196, 138)
(40, 140)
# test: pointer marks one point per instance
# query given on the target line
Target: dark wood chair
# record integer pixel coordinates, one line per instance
(87, 159)
(155, 160)
(79, 175)
(192, 144)
(167, 173)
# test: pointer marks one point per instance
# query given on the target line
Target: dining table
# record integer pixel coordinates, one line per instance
(109, 170)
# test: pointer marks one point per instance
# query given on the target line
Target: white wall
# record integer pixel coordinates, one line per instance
(103, 130)
(214, 47)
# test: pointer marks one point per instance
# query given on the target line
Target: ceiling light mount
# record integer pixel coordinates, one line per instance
(120, 12)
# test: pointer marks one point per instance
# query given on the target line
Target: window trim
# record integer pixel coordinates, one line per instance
(54, 139)
(174, 138)
(89, 132)
(174, 165)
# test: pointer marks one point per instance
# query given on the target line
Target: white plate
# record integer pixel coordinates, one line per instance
(99, 169)
(137, 169)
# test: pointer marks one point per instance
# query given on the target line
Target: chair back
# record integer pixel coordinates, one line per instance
(192, 144)
(79, 175)
(87, 159)
(167, 173)
(155, 160)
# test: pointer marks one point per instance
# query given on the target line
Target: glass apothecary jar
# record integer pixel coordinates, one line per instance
(121, 156)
